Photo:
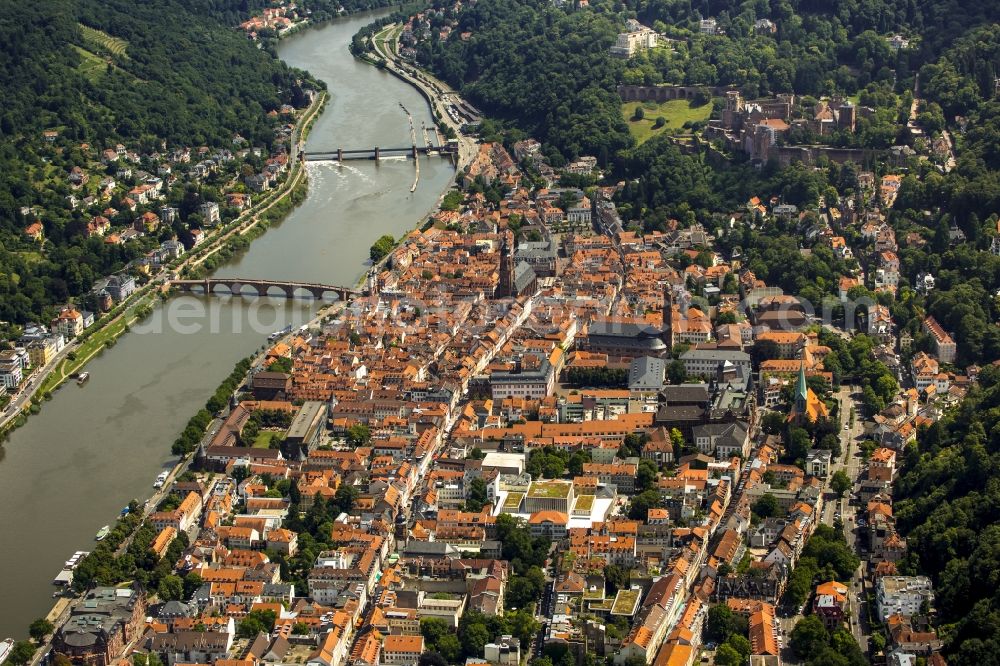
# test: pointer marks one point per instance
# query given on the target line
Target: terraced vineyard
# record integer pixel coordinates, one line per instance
(103, 42)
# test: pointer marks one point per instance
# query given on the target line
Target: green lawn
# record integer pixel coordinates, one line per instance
(392, 37)
(93, 345)
(676, 112)
(264, 437)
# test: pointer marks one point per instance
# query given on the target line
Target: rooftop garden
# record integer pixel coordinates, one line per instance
(549, 489)
(513, 502)
(625, 602)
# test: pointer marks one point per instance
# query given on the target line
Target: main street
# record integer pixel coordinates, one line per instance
(843, 511)
(851, 464)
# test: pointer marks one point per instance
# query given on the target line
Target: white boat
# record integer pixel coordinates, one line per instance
(277, 334)
(75, 560)
(6, 646)
(65, 577)
(161, 479)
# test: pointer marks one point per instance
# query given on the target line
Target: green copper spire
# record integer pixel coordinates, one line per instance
(801, 390)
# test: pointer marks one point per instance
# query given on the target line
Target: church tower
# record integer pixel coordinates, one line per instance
(668, 316)
(801, 391)
(807, 406)
(505, 285)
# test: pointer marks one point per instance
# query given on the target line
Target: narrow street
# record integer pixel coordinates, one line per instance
(857, 597)
(842, 510)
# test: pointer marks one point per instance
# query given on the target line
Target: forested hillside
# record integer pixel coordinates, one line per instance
(542, 68)
(234, 11)
(816, 43)
(152, 75)
(950, 508)
(175, 76)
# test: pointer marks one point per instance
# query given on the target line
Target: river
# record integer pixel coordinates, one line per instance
(72, 468)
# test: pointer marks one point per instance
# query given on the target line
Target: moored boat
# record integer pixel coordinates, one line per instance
(6, 646)
(65, 577)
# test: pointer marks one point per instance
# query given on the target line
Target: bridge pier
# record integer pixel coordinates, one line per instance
(340, 154)
(414, 151)
(377, 154)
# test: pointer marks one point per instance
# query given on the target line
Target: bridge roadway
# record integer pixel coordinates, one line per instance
(263, 287)
(376, 153)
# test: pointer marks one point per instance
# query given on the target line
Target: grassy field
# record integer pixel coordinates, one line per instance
(676, 112)
(103, 41)
(91, 65)
(392, 37)
(30, 257)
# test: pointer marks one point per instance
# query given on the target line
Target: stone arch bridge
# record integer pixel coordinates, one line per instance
(241, 286)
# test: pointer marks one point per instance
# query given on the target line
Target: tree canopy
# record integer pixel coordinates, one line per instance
(944, 506)
(557, 84)
(97, 73)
